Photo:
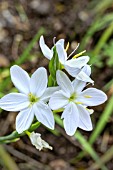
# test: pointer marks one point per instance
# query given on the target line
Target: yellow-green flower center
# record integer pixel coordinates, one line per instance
(72, 97)
(32, 98)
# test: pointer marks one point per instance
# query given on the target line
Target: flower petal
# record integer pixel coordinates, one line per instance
(84, 119)
(14, 102)
(84, 77)
(45, 49)
(62, 55)
(38, 82)
(64, 82)
(24, 119)
(20, 79)
(92, 97)
(44, 114)
(78, 85)
(78, 62)
(73, 71)
(61, 42)
(73, 66)
(87, 69)
(48, 93)
(58, 101)
(71, 118)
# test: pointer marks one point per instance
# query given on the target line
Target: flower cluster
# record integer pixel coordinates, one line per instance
(39, 96)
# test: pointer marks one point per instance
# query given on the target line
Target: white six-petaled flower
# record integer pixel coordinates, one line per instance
(74, 101)
(31, 101)
(73, 66)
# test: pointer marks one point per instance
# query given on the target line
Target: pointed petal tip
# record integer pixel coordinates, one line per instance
(45, 49)
(14, 67)
(61, 42)
(70, 133)
(86, 57)
(41, 41)
(19, 132)
(106, 97)
(90, 128)
(41, 38)
(52, 127)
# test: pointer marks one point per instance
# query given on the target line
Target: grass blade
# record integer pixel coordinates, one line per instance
(9, 163)
(27, 51)
(104, 159)
(86, 146)
(103, 120)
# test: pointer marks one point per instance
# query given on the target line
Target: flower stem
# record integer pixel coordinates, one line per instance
(14, 135)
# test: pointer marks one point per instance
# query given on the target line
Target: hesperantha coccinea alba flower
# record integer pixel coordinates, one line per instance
(32, 99)
(73, 66)
(38, 142)
(74, 102)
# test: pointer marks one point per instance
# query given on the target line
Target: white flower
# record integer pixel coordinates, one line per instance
(75, 102)
(31, 101)
(73, 66)
(38, 142)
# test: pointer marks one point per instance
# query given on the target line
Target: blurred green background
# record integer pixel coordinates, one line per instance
(88, 22)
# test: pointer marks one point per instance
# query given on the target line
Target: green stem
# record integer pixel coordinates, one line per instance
(8, 161)
(14, 135)
(104, 159)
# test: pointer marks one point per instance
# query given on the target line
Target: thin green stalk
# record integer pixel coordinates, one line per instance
(27, 51)
(107, 33)
(102, 6)
(89, 149)
(105, 158)
(102, 121)
(14, 135)
(9, 163)
(98, 24)
(86, 146)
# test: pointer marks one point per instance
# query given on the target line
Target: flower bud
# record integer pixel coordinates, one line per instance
(38, 142)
